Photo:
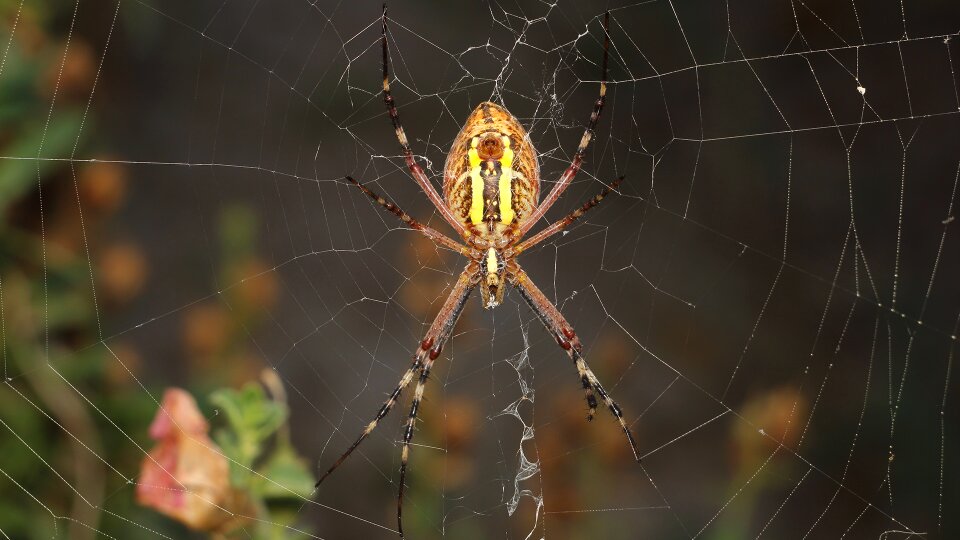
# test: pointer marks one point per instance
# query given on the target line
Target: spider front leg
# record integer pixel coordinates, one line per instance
(408, 436)
(561, 330)
(428, 351)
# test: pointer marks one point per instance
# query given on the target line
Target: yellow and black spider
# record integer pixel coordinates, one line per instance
(490, 191)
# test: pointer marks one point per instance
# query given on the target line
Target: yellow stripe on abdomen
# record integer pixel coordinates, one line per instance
(476, 183)
(505, 184)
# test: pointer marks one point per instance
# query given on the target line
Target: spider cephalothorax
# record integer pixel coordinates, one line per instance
(491, 192)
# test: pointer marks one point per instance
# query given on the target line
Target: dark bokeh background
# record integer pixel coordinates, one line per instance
(773, 297)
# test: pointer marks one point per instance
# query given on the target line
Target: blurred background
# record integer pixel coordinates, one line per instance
(772, 297)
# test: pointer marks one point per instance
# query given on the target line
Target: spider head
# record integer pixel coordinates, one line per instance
(493, 282)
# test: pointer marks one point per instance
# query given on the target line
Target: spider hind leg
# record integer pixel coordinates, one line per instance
(415, 169)
(577, 160)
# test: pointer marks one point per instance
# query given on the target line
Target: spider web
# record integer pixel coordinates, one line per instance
(771, 296)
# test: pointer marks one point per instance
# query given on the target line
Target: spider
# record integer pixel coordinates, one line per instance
(490, 192)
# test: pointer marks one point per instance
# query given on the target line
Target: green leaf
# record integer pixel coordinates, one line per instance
(251, 418)
(282, 478)
(228, 402)
(250, 412)
(18, 87)
(238, 232)
(285, 475)
(56, 139)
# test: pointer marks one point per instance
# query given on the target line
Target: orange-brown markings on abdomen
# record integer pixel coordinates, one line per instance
(525, 186)
(490, 147)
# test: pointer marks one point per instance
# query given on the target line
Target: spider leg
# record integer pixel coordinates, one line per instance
(431, 233)
(408, 437)
(562, 224)
(384, 409)
(427, 352)
(558, 326)
(415, 169)
(574, 167)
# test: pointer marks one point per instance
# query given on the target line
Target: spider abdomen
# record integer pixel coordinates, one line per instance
(491, 178)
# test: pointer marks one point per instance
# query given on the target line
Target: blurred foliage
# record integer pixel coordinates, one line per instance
(273, 476)
(58, 446)
(247, 484)
(75, 412)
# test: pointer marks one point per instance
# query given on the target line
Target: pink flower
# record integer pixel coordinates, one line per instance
(185, 476)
